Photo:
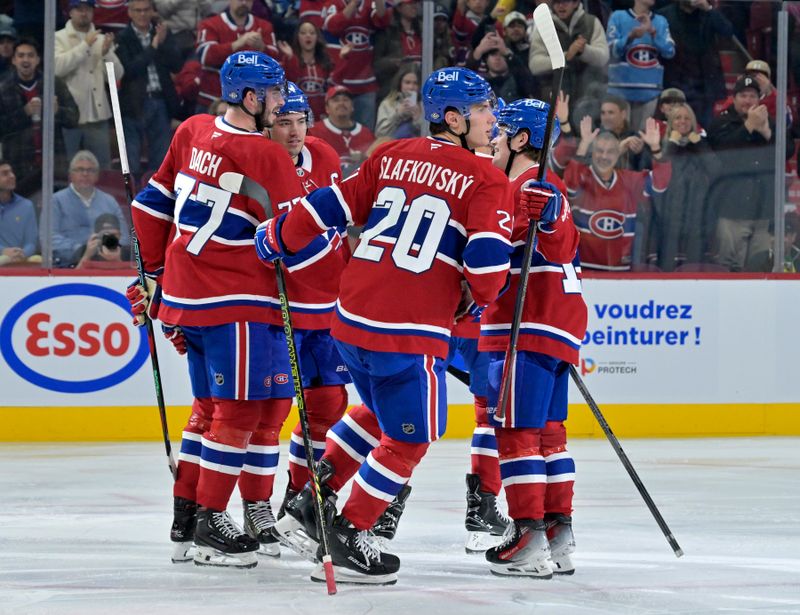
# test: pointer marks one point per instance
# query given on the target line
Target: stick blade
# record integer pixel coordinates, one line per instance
(543, 20)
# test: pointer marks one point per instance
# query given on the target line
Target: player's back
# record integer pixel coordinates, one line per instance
(433, 214)
(212, 273)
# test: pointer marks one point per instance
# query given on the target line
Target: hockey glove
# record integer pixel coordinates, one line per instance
(269, 246)
(175, 335)
(541, 202)
(144, 301)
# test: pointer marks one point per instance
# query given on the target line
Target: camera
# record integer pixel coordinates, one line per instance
(109, 240)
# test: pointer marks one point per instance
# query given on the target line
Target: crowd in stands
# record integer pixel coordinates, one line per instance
(667, 147)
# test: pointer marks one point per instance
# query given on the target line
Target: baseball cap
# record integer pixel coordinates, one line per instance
(744, 82)
(512, 17)
(74, 3)
(440, 10)
(758, 66)
(7, 27)
(335, 90)
(672, 95)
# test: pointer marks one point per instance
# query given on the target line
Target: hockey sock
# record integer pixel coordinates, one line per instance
(522, 469)
(349, 442)
(384, 472)
(560, 469)
(325, 406)
(483, 453)
(224, 447)
(189, 458)
(261, 460)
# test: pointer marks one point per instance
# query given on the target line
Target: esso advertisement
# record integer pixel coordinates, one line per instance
(72, 338)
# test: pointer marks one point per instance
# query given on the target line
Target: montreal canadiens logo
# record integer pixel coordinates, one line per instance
(642, 56)
(72, 338)
(358, 38)
(607, 224)
(281, 378)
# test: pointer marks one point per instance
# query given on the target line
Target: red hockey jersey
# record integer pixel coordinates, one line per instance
(215, 38)
(433, 215)
(356, 68)
(202, 236)
(554, 317)
(311, 10)
(349, 144)
(312, 79)
(605, 214)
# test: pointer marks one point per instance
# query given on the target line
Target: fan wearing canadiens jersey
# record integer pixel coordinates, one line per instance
(323, 370)
(434, 214)
(220, 306)
(536, 470)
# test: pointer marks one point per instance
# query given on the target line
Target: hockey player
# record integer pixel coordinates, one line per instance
(440, 215)
(536, 469)
(222, 305)
(324, 373)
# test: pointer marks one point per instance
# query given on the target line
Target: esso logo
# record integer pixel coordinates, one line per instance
(607, 224)
(358, 38)
(642, 56)
(73, 338)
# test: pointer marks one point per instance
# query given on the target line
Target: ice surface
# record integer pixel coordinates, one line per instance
(84, 530)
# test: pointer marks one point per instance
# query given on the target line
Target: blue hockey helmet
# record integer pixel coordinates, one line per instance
(459, 88)
(249, 70)
(295, 100)
(501, 104)
(530, 114)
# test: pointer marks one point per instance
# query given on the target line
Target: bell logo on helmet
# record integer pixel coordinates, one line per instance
(247, 58)
(447, 76)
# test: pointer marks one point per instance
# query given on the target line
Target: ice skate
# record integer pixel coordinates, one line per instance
(289, 495)
(258, 523)
(297, 530)
(220, 542)
(385, 527)
(357, 558)
(484, 522)
(562, 542)
(182, 532)
(524, 552)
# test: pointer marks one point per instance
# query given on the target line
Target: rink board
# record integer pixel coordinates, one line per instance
(662, 357)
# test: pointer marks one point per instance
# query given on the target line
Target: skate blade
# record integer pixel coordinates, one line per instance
(182, 552)
(270, 549)
(542, 571)
(206, 556)
(346, 576)
(479, 542)
(292, 535)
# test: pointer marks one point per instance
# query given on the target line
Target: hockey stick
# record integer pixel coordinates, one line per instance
(625, 461)
(137, 255)
(239, 184)
(460, 375)
(543, 21)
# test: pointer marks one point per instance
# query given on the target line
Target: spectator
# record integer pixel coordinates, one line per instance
(610, 205)
(349, 27)
(614, 114)
(667, 101)
(349, 138)
(637, 40)
(696, 68)
(21, 109)
(76, 208)
(80, 54)
(762, 73)
(400, 113)
(18, 229)
(8, 36)
(148, 100)
(218, 36)
(765, 261)
(586, 53)
(103, 249)
(509, 78)
(308, 64)
(182, 18)
(468, 16)
(743, 137)
(682, 213)
(515, 35)
(444, 52)
(397, 44)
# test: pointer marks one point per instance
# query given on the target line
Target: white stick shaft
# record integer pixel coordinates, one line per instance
(112, 86)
